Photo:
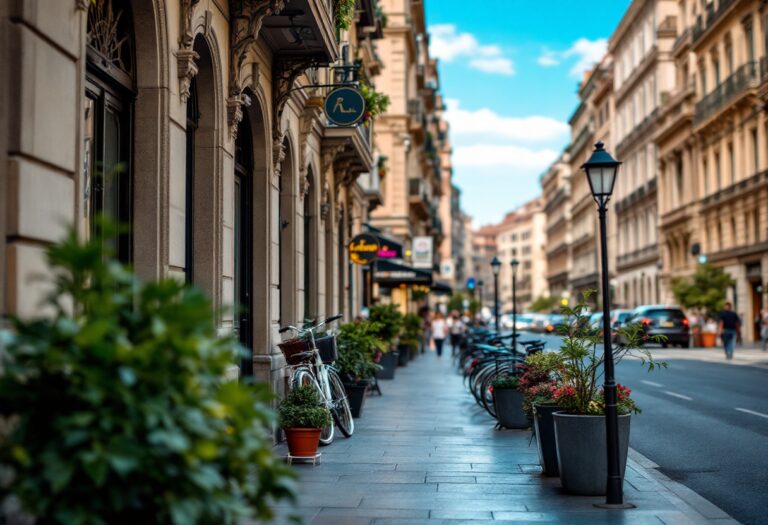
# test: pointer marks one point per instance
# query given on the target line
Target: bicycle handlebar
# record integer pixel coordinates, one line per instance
(310, 329)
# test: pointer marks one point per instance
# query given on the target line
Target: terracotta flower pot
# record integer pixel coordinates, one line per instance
(302, 442)
(709, 339)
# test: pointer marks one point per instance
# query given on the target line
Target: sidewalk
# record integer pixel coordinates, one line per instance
(749, 354)
(425, 453)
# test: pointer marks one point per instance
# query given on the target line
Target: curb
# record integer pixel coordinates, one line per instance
(694, 506)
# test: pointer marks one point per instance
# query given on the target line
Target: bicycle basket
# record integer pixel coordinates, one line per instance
(326, 345)
(291, 348)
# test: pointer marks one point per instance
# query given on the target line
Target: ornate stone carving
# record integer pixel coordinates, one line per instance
(82, 5)
(246, 19)
(278, 153)
(325, 206)
(187, 69)
(185, 57)
(309, 119)
(235, 104)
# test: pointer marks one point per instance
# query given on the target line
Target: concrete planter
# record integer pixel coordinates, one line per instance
(544, 425)
(404, 355)
(388, 364)
(509, 408)
(581, 452)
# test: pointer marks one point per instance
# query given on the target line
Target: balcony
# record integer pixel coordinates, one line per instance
(682, 42)
(645, 255)
(646, 189)
(418, 198)
(370, 182)
(711, 17)
(736, 190)
(303, 30)
(638, 131)
(354, 144)
(733, 86)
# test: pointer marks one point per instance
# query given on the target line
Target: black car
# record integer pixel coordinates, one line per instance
(669, 321)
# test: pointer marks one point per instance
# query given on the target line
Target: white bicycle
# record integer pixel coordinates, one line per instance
(311, 358)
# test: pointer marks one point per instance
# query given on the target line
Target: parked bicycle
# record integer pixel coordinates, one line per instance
(311, 358)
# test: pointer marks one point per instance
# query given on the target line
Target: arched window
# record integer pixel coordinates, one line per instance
(193, 121)
(243, 242)
(109, 96)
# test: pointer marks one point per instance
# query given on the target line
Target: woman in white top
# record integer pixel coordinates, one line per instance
(439, 331)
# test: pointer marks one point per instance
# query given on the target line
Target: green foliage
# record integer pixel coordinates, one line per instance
(412, 331)
(389, 321)
(375, 103)
(344, 14)
(456, 302)
(582, 362)
(120, 412)
(382, 15)
(704, 290)
(542, 373)
(358, 343)
(505, 382)
(303, 408)
(544, 304)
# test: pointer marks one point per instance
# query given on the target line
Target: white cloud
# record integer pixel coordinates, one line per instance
(504, 156)
(446, 43)
(586, 52)
(487, 123)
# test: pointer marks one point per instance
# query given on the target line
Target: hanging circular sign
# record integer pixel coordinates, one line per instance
(344, 106)
(363, 248)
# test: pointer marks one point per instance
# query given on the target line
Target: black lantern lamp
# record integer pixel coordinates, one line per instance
(514, 264)
(601, 170)
(496, 267)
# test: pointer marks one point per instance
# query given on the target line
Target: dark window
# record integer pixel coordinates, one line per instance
(243, 242)
(193, 120)
(307, 255)
(109, 96)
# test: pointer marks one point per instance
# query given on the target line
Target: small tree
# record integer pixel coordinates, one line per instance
(544, 304)
(704, 290)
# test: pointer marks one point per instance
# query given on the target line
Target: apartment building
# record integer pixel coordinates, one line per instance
(556, 192)
(521, 236)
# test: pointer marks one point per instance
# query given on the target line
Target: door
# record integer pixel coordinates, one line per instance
(243, 243)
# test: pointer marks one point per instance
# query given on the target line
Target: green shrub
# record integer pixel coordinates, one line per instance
(119, 410)
(411, 332)
(303, 408)
(505, 382)
(358, 343)
(389, 319)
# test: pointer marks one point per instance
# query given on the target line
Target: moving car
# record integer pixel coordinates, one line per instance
(666, 320)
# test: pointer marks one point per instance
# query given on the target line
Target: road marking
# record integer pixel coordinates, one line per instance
(748, 411)
(681, 396)
(651, 383)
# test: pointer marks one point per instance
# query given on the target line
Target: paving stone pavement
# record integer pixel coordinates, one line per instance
(425, 453)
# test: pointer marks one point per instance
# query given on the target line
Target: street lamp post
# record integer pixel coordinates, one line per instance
(513, 263)
(601, 170)
(496, 266)
(480, 285)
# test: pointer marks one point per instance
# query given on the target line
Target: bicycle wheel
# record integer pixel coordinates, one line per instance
(342, 414)
(302, 377)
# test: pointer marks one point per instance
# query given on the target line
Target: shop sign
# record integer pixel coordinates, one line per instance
(363, 248)
(422, 254)
(344, 106)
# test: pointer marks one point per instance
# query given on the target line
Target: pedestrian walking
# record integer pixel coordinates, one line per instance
(764, 329)
(439, 330)
(457, 332)
(729, 327)
(426, 328)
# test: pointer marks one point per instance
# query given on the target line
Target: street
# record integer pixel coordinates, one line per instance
(705, 423)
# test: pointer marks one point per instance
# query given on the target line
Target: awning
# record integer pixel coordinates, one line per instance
(441, 288)
(388, 248)
(389, 274)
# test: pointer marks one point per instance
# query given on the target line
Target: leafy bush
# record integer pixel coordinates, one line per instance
(544, 304)
(119, 409)
(389, 320)
(303, 408)
(505, 382)
(358, 343)
(704, 290)
(542, 372)
(375, 103)
(582, 362)
(344, 13)
(412, 331)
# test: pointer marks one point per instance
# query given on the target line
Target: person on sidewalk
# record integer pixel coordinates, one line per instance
(457, 332)
(439, 330)
(764, 329)
(729, 326)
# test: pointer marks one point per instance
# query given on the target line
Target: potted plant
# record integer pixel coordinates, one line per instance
(390, 323)
(357, 344)
(302, 418)
(412, 335)
(580, 427)
(508, 402)
(538, 383)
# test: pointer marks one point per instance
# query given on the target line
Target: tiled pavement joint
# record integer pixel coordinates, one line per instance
(425, 453)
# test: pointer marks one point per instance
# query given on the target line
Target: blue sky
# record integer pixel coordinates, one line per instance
(509, 71)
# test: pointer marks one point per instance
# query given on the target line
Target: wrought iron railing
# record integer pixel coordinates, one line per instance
(711, 16)
(734, 85)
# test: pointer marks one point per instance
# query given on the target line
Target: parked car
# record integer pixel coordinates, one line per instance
(666, 320)
(553, 320)
(619, 316)
(596, 320)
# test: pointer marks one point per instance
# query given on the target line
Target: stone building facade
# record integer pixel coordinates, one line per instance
(200, 124)
(556, 192)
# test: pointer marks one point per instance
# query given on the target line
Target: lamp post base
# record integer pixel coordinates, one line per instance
(615, 506)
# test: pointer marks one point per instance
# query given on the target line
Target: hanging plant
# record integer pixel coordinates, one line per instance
(375, 102)
(345, 13)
